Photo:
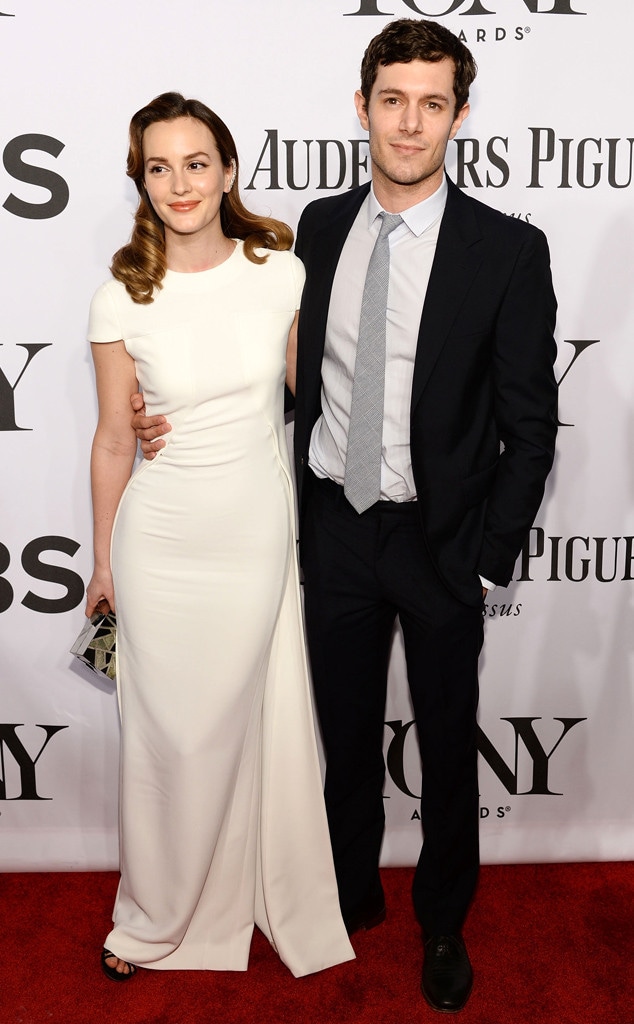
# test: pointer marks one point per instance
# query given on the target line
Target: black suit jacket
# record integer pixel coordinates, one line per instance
(483, 414)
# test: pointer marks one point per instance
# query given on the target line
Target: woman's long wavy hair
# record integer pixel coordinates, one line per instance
(140, 265)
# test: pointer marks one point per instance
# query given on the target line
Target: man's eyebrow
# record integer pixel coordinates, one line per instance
(401, 92)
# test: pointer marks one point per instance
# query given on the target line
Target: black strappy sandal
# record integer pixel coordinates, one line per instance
(112, 972)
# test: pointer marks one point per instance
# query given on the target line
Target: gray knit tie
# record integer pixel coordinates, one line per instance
(362, 481)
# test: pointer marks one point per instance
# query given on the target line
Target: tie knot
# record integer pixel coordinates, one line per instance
(389, 221)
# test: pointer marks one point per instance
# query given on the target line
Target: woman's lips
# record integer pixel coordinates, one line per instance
(184, 207)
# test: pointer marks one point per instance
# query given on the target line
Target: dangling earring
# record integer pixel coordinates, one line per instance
(233, 176)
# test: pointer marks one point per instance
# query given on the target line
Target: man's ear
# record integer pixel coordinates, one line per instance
(462, 114)
(362, 110)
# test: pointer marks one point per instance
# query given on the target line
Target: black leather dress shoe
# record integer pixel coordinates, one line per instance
(368, 915)
(447, 976)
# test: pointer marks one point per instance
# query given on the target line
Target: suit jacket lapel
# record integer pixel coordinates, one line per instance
(326, 249)
(456, 263)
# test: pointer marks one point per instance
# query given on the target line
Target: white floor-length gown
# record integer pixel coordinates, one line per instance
(222, 816)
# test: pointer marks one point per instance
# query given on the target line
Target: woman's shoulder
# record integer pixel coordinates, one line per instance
(110, 310)
(285, 268)
(110, 291)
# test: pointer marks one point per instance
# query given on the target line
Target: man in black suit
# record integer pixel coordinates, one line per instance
(468, 440)
(468, 434)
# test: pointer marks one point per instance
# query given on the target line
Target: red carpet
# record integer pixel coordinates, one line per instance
(550, 944)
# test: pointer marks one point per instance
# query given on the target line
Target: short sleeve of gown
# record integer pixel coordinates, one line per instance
(103, 322)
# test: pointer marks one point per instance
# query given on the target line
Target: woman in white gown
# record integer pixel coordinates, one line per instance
(221, 811)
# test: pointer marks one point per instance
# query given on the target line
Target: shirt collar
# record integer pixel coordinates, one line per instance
(419, 217)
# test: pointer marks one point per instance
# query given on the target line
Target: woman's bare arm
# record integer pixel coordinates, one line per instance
(113, 451)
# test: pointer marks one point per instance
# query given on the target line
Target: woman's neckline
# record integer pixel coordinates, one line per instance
(210, 270)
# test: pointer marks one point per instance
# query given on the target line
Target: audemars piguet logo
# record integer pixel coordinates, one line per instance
(538, 158)
(551, 161)
(576, 558)
(473, 8)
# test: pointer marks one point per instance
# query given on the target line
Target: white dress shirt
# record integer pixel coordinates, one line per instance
(412, 250)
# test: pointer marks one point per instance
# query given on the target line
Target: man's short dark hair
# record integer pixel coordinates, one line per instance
(407, 39)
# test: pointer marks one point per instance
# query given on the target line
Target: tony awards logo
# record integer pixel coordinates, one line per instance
(18, 765)
(465, 8)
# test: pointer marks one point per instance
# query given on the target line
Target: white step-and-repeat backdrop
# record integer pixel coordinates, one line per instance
(549, 140)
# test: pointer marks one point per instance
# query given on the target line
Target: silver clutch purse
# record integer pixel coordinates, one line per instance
(96, 645)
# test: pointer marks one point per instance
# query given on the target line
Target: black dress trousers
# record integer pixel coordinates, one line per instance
(360, 573)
